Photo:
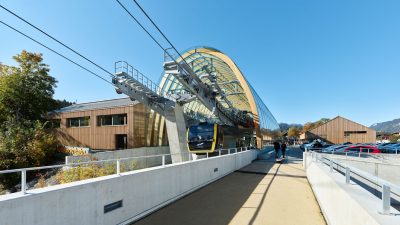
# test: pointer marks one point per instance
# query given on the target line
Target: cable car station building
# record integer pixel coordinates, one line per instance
(127, 123)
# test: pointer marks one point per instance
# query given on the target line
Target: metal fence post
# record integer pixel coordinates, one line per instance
(23, 181)
(207, 154)
(118, 167)
(219, 152)
(331, 165)
(385, 199)
(347, 175)
(163, 160)
(235, 150)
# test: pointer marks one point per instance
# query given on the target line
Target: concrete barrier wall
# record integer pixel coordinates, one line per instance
(345, 204)
(141, 192)
(127, 153)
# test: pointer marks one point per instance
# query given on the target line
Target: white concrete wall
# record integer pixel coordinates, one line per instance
(142, 192)
(345, 204)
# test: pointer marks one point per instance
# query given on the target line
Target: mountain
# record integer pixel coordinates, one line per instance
(388, 127)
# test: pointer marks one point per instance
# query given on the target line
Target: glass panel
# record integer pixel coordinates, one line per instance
(104, 120)
(78, 122)
(84, 121)
(119, 119)
(73, 122)
(110, 120)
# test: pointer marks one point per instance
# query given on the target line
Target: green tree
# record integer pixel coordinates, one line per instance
(26, 91)
(24, 144)
(26, 95)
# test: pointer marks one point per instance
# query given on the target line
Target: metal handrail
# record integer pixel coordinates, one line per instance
(117, 161)
(123, 66)
(371, 178)
(388, 188)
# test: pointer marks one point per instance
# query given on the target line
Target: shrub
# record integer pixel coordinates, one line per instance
(89, 171)
(24, 144)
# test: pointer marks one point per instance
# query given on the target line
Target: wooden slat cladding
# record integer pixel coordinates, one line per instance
(340, 130)
(139, 129)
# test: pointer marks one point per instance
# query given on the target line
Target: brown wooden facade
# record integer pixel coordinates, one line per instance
(142, 128)
(340, 130)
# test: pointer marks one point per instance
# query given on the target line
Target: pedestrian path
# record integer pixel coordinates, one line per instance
(261, 193)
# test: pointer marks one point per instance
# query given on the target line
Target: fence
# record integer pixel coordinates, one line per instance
(116, 166)
(383, 189)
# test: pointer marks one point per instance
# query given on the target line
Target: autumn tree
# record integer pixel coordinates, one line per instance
(294, 132)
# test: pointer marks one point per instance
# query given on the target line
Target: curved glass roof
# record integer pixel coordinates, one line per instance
(237, 91)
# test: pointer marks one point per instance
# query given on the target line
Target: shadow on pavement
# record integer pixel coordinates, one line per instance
(237, 196)
(215, 204)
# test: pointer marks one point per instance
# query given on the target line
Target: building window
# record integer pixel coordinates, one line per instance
(348, 133)
(78, 121)
(112, 120)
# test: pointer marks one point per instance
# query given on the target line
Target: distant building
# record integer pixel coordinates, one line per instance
(340, 130)
(107, 125)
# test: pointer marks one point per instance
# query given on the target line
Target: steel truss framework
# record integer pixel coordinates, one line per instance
(206, 83)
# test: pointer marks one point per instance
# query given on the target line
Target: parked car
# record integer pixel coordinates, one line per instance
(302, 146)
(333, 148)
(383, 145)
(391, 148)
(357, 149)
(316, 144)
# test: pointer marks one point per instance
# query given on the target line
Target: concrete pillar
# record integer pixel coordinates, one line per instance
(176, 129)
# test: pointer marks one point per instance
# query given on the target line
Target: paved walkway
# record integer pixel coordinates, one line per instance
(261, 193)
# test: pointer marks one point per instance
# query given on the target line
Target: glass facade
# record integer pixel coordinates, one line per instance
(240, 94)
(267, 121)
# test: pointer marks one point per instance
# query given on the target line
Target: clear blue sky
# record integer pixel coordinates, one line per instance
(306, 59)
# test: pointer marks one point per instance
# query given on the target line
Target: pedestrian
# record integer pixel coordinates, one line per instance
(283, 148)
(277, 147)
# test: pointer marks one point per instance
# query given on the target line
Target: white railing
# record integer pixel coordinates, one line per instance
(378, 156)
(163, 163)
(389, 189)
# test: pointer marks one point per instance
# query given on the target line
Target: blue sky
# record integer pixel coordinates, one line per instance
(306, 59)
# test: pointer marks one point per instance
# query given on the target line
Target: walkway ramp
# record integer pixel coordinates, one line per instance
(260, 193)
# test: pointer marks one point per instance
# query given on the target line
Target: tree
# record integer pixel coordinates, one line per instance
(308, 126)
(320, 122)
(394, 138)
(293, 132)
(26, 91)
(26, 95)
(24, 144)
(311, 125)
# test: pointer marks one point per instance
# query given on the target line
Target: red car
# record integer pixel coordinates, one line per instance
(362, 149)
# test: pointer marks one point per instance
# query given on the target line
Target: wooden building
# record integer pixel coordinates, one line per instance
(340, 130)
(108, 125)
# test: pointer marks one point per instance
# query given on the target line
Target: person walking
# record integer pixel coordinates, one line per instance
(283, 149)
(277, 147)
